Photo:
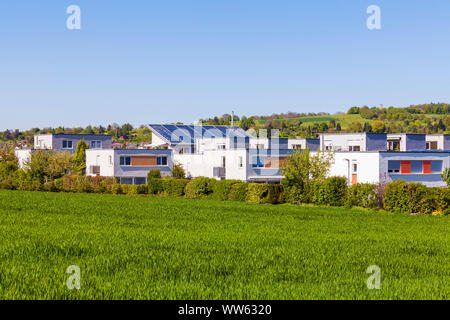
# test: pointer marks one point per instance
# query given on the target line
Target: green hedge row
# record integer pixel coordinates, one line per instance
(397, 196)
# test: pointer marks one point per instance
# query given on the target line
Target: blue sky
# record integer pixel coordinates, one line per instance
(176, 60)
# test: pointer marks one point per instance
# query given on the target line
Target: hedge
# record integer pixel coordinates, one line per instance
(415, 198)
(398, 196)
(174, 187)
(362, 195)
(238, 192)
(200, 187)
(331, 192)
(264, 193)
(221, 189)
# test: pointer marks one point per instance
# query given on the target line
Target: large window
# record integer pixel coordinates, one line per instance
(436, 166)
(415, 166)
(354, 148)
(67, 144)
(257, 162)
(126, 180)
(161, 161)
(140, 181)
(125, 161)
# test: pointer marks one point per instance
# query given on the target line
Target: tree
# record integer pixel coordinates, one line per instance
(353, 110)
(302, 170)
(338, 127)
(178, 171)
(45, 165)
(80, 158)
(154, 174)
(445, 176)
(8, 161)
(378, 126)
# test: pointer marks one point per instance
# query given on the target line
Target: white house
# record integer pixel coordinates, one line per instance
(131, 166)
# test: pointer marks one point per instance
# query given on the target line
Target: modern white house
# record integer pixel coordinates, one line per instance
(386, 166)
(68, 142)
(63, 143)
(131, 166)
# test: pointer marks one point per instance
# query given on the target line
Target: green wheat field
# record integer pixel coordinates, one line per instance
(165, 248)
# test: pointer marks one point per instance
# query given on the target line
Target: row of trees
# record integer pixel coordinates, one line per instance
(123, 133)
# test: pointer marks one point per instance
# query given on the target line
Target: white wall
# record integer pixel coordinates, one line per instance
(102, 158)
(368, 164)
(439, 138)
(341, 142)
(43, 141)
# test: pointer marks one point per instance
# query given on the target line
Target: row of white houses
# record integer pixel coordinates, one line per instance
(224, 152)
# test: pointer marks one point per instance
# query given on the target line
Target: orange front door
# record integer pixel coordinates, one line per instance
(354, 179)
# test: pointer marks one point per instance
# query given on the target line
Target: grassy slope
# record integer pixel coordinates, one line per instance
(163, 248)
(346, 120)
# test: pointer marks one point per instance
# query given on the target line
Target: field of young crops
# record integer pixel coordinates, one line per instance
(163, 248)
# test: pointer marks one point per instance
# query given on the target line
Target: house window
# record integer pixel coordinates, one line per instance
(354, 167)
(67, 144)
(126, 180)
(416, 167)
(223, 162)
(431, 145)
(221, 147)
(140, 181)
(354, 148)
(241, 162)
(260, 146)
(125, 161)
(110, 160)
(394, 166)
(96, 144)
(297, 147)
(436, 166)
(161, 161)
(257, 162)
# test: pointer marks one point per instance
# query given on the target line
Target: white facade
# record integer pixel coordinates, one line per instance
(375, 167)
(131, 166)
(43, 141)
(343, 142)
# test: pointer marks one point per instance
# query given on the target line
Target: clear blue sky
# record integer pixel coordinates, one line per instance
(176, 60)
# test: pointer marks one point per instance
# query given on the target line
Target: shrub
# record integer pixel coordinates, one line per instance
(154, 185)
(116, 188)
(199, 188)
(174, 187)
(154, 174)
(221, 189)
(133, 189)
(330, 192)
(264, 193)
(362, 195)
(238, 192)
(83, 185)
(404, 197)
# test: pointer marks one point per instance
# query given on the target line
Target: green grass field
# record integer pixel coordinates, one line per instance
(164, 248)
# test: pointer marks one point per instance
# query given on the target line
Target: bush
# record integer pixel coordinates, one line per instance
(221, 189)
(199, 188)
(116, 188)
(362, 195)
(174, 187)
(238, 192)
(330, 192)
(264, 193)
(155, 186)
(154, 174)
(83, 185)
(414, 198)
